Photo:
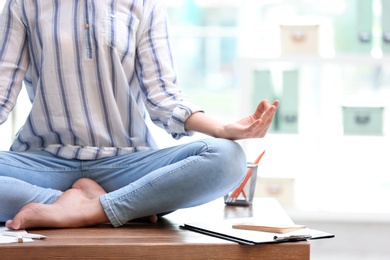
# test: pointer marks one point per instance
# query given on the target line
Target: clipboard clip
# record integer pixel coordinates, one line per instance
(291, 238)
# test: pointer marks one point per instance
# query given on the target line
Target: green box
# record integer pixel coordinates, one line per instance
(363, 120)
(385, 23)
(288, 110)
(354, 28)
(364, 22)
(264, 89)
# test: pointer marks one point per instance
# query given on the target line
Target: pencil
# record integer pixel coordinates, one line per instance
(20, 238)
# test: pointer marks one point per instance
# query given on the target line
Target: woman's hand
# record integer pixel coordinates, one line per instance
(253, 126)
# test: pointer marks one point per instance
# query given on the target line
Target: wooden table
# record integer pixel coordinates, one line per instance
(163, 240)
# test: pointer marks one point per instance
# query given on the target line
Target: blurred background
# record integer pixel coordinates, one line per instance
(328, 62)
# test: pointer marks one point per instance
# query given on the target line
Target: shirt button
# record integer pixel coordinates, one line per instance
(86, 26)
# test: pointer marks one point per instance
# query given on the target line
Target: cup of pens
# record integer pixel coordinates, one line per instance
(244, 193)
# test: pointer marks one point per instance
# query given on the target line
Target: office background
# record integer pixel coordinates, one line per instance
(328, 62)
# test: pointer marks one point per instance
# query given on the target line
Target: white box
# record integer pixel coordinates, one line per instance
(282, 189)
(299, 39)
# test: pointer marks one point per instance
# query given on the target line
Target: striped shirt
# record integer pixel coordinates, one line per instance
(95, 72)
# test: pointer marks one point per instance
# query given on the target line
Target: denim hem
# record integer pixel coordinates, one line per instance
(104, 200)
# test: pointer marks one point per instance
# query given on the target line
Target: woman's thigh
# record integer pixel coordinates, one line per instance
(116, 172)
(174, 178)
(40, 168)
(45, 170)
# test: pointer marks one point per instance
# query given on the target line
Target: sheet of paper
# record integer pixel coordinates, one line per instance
(9, 239)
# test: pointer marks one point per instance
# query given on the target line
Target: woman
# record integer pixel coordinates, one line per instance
(96, 71)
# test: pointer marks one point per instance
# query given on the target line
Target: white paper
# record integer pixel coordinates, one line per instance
(10, 239)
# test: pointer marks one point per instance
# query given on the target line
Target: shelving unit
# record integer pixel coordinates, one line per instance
(345, 175)
(323, 89)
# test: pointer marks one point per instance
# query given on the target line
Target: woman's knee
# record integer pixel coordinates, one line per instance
(229, 149)
(231, 159)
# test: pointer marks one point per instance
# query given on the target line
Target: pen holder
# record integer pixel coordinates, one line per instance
(244, 193)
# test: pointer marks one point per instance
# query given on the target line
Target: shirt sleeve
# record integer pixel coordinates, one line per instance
(168, 107)
(13, 57)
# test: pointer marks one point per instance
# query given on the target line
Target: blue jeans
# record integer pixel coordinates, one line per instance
(137, 184)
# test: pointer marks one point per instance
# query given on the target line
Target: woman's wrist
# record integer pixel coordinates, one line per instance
(202, 123)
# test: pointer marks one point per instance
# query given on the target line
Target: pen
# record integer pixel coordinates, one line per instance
(291, 238)
(20, 236)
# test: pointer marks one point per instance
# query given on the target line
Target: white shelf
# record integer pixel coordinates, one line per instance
(355, 59)
(336, 216)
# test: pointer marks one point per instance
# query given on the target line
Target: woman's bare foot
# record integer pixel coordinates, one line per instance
(90, 188)
(77, 207)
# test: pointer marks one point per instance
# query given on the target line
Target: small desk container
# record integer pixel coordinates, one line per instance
(244, 193)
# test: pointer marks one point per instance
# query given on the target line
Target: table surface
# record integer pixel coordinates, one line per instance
(162, 240)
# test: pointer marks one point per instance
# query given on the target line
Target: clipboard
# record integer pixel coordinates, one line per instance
(224, 230)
